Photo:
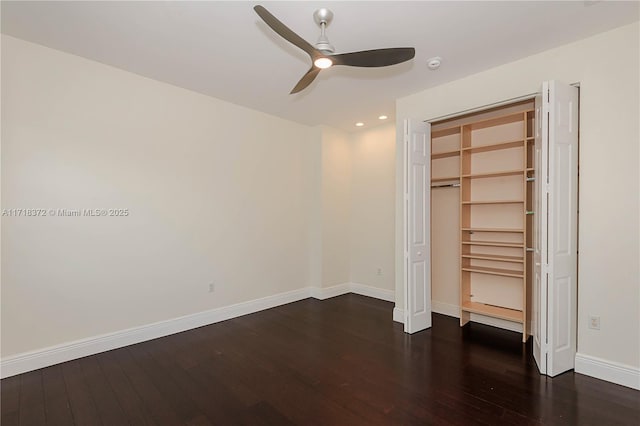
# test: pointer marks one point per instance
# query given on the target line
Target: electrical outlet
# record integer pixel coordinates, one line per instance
(379, 271)
(594, 322)
(212, 287)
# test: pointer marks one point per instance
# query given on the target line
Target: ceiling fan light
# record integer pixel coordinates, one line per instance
(323, 63)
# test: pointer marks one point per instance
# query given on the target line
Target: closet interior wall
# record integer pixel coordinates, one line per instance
(481, 215)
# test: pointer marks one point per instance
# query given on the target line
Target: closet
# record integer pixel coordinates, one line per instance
(490, 215)
(481, 180)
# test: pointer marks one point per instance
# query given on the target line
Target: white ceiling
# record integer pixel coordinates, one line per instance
(223, 49)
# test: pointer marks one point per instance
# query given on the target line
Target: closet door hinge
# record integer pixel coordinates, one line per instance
(546, 99)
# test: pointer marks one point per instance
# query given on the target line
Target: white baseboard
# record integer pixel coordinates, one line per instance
(378, 293)
(328, 292)
(357, 288)
(28, 361)
(398, 315)
(445, 309)
(33, 360)
(610, 371)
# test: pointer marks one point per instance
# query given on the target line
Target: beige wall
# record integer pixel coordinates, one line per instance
(336, 207)
(606, 66)
(372, 209)
(215, 192)
(354, 212)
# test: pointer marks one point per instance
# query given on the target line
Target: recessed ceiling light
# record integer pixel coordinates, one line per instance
(382, 117)
(359, 124)
(434, 63)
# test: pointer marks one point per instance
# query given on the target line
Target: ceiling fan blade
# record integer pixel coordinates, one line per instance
(375, 58)
(306, 80)
(285, 32)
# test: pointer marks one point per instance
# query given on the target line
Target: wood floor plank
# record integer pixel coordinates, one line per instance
(10, 401)
(56, 399)
(32, 410)
(157, 405)
(102, 394)
(82, 405)
(132, 405)
(162, 378)
(211, 399)
(341, 361)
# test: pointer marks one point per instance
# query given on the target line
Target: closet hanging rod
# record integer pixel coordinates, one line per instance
(448, 185)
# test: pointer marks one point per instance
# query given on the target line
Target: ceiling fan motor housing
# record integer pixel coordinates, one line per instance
(323, 17)
(324, 46)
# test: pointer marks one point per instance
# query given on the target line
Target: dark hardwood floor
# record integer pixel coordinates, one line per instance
(340, 361)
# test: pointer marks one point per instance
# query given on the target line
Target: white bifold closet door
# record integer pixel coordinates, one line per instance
(417, 238)
(555, 200)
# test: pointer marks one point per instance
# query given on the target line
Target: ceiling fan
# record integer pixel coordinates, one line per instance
(322, 54)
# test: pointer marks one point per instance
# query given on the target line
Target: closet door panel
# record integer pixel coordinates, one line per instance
(417, 232)
(555, 242)
(563, 226)
(539, 308)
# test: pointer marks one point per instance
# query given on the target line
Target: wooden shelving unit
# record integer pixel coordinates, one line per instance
(495, 162)
(487, 160)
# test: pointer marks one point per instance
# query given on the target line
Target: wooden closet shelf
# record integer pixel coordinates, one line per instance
(493, 244)
(493, 147)
(494, 174)
(494, 271)
(445, 154)
(496, 257)
(447, 131)
(493, 202)
(493, 311)
(512, 117)
(513, 230)
(445, 179)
